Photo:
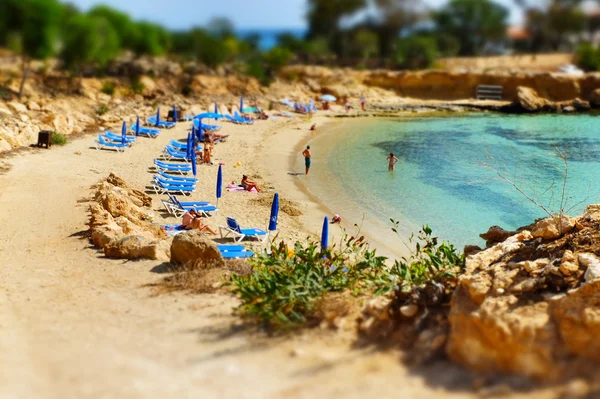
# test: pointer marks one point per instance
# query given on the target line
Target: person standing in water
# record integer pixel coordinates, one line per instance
(392, 160)
(307, 156)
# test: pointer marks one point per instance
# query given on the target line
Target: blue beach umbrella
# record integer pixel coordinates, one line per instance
(199, 132)
(242, 104)
(137, 126)
(274, 213)
(216, 108)
(219, 184)
(194, 163)
(124, 133)
(175, 118)
(157, 117)
(325, 234)
(189, 151)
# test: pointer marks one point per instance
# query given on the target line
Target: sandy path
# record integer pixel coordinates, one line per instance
(76, 325)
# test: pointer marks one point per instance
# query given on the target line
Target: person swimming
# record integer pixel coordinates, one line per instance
(392, 160)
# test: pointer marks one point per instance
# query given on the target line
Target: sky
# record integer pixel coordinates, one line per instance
(182, 14)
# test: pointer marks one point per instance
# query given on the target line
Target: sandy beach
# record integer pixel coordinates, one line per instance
(75, 324)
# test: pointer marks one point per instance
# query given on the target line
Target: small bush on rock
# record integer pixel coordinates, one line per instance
(108, 88)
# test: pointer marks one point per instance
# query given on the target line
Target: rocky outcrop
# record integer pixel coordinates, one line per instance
(530, 305)
(120, 222)
(193, 247)
(529, 101)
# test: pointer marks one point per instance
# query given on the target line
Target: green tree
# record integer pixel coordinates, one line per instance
(124, 26)
(394, 17)
(324, 18)
(220, 27)
(89, 40)
(365, 43)
(587, 57)
(31, 28)
(151, 39)
(473, 22)
(416, 52)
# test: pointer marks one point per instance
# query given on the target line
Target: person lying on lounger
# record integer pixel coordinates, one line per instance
(192, 221)
(248, 185)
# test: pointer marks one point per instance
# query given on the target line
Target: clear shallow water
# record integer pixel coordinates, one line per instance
(442, 179)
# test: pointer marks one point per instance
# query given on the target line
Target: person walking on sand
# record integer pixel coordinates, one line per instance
(392, 160)
(307, 156)
(363, 102)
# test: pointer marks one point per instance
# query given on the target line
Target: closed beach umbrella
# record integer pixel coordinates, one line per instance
(242, 104)
(175, 118)
(325, 234)
(124, 133)
(189, 150)
(274, 213)
(157, 117)
(200, 132)
(137, 126)
(219, 184)
(216, 108)
(194, 163)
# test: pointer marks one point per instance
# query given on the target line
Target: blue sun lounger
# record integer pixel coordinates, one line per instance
(206, 127)
(181, 146)
(233, 228)
(102, 143)
(145, 131)
(162, 124)
(187, 203)
(181, 168)
(233, 252)
(170, 153)
(171, 182)
(162, 188)
(118, 138)
(237, 116)
(179, 211)
(176, 178)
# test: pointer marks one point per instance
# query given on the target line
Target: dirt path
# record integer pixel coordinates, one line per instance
(74, 324)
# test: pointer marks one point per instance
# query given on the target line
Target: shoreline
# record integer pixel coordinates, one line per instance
(285, 144)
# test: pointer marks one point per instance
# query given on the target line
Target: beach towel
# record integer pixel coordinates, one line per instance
(234, 187)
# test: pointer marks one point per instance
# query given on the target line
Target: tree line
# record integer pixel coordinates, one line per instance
(389, 33)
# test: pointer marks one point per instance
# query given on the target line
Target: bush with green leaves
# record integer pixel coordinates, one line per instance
(58, 138)
(108, 88)
(102, 109)
(587, 57)
(285, 286)
(416, 52)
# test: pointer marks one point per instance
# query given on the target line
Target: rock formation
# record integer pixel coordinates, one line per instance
(530, 305)
(194, 247)
(120, 222)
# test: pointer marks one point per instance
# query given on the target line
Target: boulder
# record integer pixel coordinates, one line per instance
(553, 227)
(194, 247)
(33, 106)
(595, 98)
(149, 86)
(580, 105)
(5, 112)
(529, 100)
(136, 196)
(17, 107)
(4, 145)
(136, 247)
(592, 263)
(495, 234)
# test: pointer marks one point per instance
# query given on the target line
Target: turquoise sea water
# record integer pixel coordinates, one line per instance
(443, 177)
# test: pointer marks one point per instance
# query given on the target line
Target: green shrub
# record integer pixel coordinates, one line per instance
(136, 86)
(58, 139)
(284, 287)
(108, 88)
(416, 52)
(587, 57)
(102, 109)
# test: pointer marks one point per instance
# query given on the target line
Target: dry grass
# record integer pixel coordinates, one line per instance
(200, 280)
